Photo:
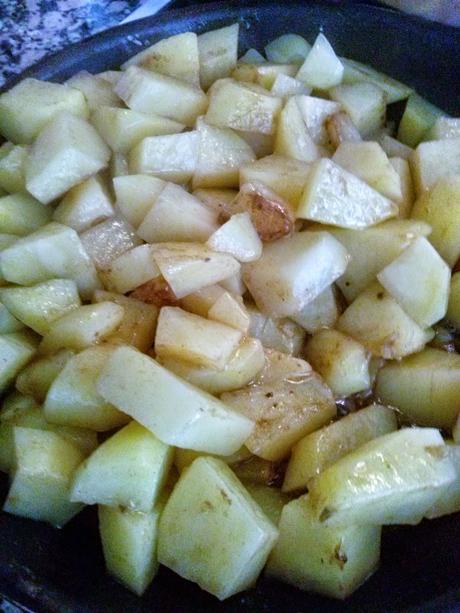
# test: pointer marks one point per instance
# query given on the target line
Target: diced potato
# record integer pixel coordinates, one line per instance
(122, 129)
(194, 339)
(368, 161)
(330, 560)
(252, 56)
(118, 166)
(293, 271)
(9, 323)
(109, 239)
(20, 214)
(364, 102)
(247, 361)
(334, 196)
(172, 157)
(111, 76)
(137, 328)
(292, 136)
(393, 479)
(422, 291)
(85, 205)
(444, 127)
(40, 305)
(342, 362)
(356, 72)
(263, 74)
(238, 237)
(453, 309)
(407, 186)
(440, 207)
(36, 378)
(67, 151)
(175, 411)
(129, 542)
(157, 292)
(372, 249)
(284, 410)
(176, 215)
(234, 284)
(218, 51)
(97, 91)
(434, 160)
(285, 176)
(341, 129)
(315, 112)
(419, 116)
(131, 269)
(27, 107)
(187, 267)
(319, 450)
(270, 499)
(376, 320)
(145, 91)
(322, 68)
(16, 350)
(288, 48)
(12, 168)
(221, 152)
(73, 400)
(280, 334)
(135, 195)
(243, 106)
(45, 463)
(218, 200)
(424, 387)
(261, 144)
(285, 86)
(201, 301)
(230, 310)
(449, 501)
(129, 470)
(175, 56)
(394, 147)
(321, 312)
(209, 505)
(82, 327)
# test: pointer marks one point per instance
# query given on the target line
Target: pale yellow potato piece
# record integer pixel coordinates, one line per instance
(263, 73)
(97, 91)
(16, 349)
(402, 167)
(434, 160)
(453, 309)
(201, 301)
(322, 68)
(230, 310)
(292, 136)
(356, 72)
(449, 501)
(217, 51)
(218, 200)
(36, 378)
(444, 127)
(315, 112)
(322, 312)
(135, 195)
(12, 168)
(364, 102)
(270, 499)
(21, 214)
(131, 269)
(285, 86)
(288, 48)
(238, 237)
(183, 458)
(282, 334)
(395, 148)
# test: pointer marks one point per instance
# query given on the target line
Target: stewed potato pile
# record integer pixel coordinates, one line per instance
(201, 258)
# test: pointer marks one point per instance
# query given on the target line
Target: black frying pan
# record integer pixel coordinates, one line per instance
(49, 570)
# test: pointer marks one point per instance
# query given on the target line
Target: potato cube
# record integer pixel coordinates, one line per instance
(221, 152)
(218, 51)
(402, 167)
(393, 479)
(330, 560)
(261, 144)
(246, 362)
(252, 56)
(144, 91)
(187, 267)
(334, 196)
(434, 160)
(72, 399)
(210, 511)
(394, 147)
(67, 151)
(82, 327)
(131, 269)
(453, 309)
(444, 127)
(364, 102)
(195, 339)
(176, 215)
(12, 168)
(175, 411)
(36, 378)
(243, 106)
(16, 350)
(270, 499)
(129, 470)
(21, 214)
(342, 362)
(129, 542)
(29, 105)
(230, 310)
(238, 237)
(315, 112)
(440, 207)
(419, 116)
(288, 48)
(173, 157)
(292, 136)
(285, 87)
(109, 239)
(9, 323)
(40, 305)
(368, 162)
(118, 166)
(122, 129)
(283, 334)
(262, 73)
(424, 387)
(322, 68)
(218, 200)
(376, 320)
(322, 312)
(135, 195)
(293, 271)
(97, 91)
(422, 291)
(449, 501)
(85, 205)
(320, 449)
(357, 72)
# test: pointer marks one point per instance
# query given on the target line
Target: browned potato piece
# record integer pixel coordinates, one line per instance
(272, 216)
(156, 291)
(340, 128)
